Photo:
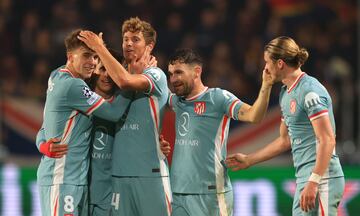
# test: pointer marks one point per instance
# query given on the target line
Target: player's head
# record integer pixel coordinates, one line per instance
(100, 80)
(137, 34)
(282, 53)
(81, 60)
(185, 68)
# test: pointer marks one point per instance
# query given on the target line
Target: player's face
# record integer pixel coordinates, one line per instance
(104, 83)
(133, 45)
(83, 61)
(181, 78)
(272, 67)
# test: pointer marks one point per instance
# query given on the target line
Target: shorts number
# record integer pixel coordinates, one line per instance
(115, 200)
(69, 203)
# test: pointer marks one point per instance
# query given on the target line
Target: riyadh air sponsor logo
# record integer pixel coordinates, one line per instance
(199, 107)
(101, 138)
(184, 123)
(292, 106)
(312, 99)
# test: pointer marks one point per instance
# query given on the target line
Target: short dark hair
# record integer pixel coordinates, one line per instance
(186, 56)
(72, 42)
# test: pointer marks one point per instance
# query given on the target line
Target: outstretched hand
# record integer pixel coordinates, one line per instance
(92, 40)
(138, 65)
(237, 162)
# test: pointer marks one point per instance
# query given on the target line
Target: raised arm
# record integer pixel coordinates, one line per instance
(256, 112)
(117, 72)
(240, 161)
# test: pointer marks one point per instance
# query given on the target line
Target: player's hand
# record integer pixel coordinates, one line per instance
(53, 149)
(92, 40)
(237, 161)
(138, 65)
(308, 196)
(164, 146)
(267, 79)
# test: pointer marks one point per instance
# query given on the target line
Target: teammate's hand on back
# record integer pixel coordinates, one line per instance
(53, 149)
(164, 146)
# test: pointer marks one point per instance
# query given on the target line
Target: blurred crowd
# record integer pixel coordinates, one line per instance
(230, 34)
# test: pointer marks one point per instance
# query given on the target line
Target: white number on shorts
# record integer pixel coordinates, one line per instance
(69, 203)
(115, 200)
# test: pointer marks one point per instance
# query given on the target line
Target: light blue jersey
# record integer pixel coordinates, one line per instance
(100, 162)
(202, 126)
(304, 102)
(137, 146)
(69, 102)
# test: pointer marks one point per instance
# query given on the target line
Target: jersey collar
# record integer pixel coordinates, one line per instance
(198, 95)
(296, 82)
(66, 71)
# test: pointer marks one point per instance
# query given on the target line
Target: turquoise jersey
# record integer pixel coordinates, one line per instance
(202, 126)
(305, 101)
(136, 150)
(69, 102)
(100, 161)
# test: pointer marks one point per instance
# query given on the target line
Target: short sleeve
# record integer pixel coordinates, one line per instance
(316, 101)
(157, 81)
(231, 104)
(80, 97)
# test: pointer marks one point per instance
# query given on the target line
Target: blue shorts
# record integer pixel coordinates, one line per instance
(64, 199)
(330, 193)
(220, 204)
(141, 196)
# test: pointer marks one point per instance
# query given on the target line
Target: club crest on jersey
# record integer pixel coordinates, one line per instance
(293, 106)
(199, 107)
(87, 92)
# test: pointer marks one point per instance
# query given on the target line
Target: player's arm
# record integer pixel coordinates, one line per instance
(326, 144)
(240, 161)
(256, 112)
(117, 72)
(51, 148)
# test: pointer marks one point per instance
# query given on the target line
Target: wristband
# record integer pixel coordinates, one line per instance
(315, 178)
(45, 149)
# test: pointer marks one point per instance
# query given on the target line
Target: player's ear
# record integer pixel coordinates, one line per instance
(69, 56)
(280, 63)
(151, 46)
(198, 71)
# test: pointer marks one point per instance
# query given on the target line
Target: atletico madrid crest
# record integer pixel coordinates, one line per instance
(199, 107)
(293, 106)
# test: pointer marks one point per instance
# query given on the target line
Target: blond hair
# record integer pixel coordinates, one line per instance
(134, 24)
(286, 49)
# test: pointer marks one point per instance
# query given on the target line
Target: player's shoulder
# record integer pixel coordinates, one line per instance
(155, 73)
(220, 93)
(311, 84)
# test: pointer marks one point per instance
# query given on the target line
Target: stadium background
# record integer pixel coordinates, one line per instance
(229, 34)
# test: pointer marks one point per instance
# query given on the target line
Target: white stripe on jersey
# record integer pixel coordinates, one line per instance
(219, 169)
(54, 200)
(167, 192)
(222, 204)
(324, 197)
(60, 162)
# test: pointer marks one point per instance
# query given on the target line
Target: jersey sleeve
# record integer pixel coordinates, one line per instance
(315, 101)
(157, 81)
(40, 137)
(231, 104)
(81, 98)
(170, 101)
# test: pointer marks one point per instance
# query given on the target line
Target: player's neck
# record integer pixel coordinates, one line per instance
(103, 94)
(72, 70)
(198, 89)
(291, 78)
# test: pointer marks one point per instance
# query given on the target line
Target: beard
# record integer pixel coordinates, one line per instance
(184, 89)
